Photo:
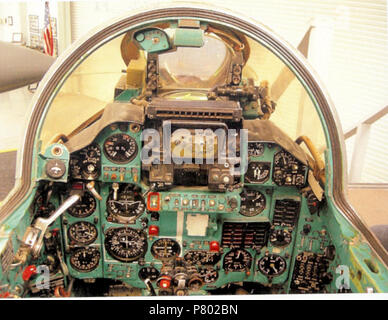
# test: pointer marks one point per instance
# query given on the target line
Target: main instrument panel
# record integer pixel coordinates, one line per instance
(188, 239)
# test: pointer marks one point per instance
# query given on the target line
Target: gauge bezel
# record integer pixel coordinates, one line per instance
(114, 231)
(109, 157)
(96, 256)
(83, 215)
(256, 212)
(268, 256)
(175, 243)
(76, 241)
(248, 266)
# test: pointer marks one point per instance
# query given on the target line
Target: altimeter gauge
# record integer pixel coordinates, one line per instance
(125, 244)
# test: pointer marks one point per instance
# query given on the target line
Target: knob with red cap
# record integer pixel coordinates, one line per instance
(153, 230)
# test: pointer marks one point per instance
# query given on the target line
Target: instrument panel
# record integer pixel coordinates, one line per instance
(138, 233)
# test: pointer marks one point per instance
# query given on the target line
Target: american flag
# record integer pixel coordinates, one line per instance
(48, 32)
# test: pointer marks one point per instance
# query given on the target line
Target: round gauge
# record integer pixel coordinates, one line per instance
(85, 259)
(272, 265)
(120, 148)
(252, 202)
(202, 257)
(84, 207)
(125, 244)
(280, 238)
(90, 158)
(287, 170)
(208, 275)
(125, 204)
(82, 232)
(42, 209)
(255, 149)
(149, 273)
(165, 248)
(257, 172)
(237, 260)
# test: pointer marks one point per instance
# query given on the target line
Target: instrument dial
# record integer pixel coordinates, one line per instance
(86, 163)
(82, 232)
(255, 149)
(288, 170)
(128, 205)
(165, 248)
(252, 203)
(280, 238)
(272, 265)
(209, 275)
(237, 260)
(84, 207)
(258, 172)
(125, 244)
(149, 273)
(120, 148)
(85, 259)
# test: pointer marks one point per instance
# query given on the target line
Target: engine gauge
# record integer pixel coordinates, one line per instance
(255, 149)
(257, 172)
(202, 257)
(165, 248)
(85, 259)
(237, 260)
(86, 163)
(82, 232)
(272, 265)
(125, 205)
(149, 273)
(280, 238)
(209, 275)
(84, 207)
(125, 244)
(120, 148)
(252, 202)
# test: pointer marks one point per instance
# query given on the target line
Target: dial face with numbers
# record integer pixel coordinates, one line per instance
(237, 260)
(85, 259)
(85, 164)
(125, 244)
(165, 248)
(82, 232)
(252, 202)
(255, 149)
(272, 265)
(120, 148)
(84, 207)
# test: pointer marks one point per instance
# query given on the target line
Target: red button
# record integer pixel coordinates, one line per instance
(153, 230)
(28, 272)
(165, 283)
(214, 246)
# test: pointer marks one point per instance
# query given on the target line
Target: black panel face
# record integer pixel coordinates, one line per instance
(258, 172)
(120, 148)
(245, 235)
(286, 212)
(287, 170)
